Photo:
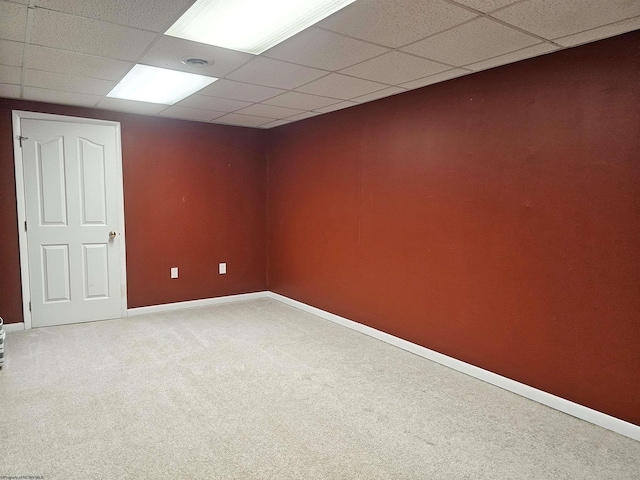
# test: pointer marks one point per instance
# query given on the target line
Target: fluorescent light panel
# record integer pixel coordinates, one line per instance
(250, 26)
(158, 85)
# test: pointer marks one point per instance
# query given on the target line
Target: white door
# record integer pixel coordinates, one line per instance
(73, 217)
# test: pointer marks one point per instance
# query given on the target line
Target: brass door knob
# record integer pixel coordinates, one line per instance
(112, 235)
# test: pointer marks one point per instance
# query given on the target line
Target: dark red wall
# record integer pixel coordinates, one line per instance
(10, 286)
(494, 218)
(194, 195)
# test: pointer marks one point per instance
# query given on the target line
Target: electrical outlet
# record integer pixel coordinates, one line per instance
(222, 268)
(174, 272)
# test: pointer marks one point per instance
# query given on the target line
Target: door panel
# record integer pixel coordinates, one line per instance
(52, 191)
(71, 198)
(94, 202)
(96, 270)
(55, 260)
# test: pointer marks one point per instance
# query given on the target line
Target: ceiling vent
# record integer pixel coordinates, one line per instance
(196, 62)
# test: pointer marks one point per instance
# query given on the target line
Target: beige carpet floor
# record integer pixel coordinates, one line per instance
(261, 390)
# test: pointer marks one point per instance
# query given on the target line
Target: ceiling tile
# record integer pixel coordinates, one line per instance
(55, 96)
(156, 16)
(89, 36)
(558, 19)
(486, 5)
(191, 113)
(277, 123)
(72, 63)
(243, 120)
(395, 68)
(239, 91)
(394, 23)
(119, 104)
(10, 74)
(11, 53)
(472, 42)
(304, 115)
(67, 83)
(379, 94)
(302, 101)
(438, 77)
(9, 91)
(322, 49)
(337, 106)
(213, 103)
(513, 57)
(13, 21)
(599, 33)
(274, 73)
(168, 51)
(269, 111)
(341, 86)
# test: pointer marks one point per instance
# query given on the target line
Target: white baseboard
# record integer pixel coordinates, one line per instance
(13, 327)
(165, 307)
(584, 413)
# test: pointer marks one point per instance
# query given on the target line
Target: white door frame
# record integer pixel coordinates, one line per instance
(19, 115)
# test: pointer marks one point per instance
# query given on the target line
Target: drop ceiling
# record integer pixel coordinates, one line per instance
(74, 52)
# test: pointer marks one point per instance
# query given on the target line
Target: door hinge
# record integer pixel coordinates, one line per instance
(25, 225)
(21, 138)
(29, 305)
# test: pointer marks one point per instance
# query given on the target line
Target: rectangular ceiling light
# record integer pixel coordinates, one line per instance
(158, 85)
(250, 26)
